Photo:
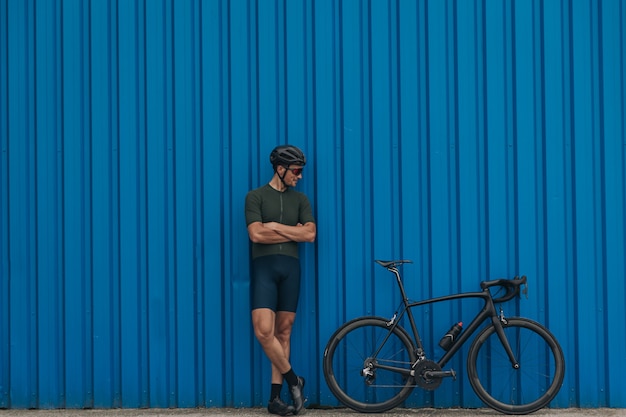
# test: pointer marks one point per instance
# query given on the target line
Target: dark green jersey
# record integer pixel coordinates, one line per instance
(265, 204)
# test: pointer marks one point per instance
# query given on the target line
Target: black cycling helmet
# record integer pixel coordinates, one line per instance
(286, 155)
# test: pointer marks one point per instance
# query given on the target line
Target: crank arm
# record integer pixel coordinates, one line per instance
(440, 374)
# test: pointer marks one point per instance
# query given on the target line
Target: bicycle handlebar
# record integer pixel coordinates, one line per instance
(512, 287)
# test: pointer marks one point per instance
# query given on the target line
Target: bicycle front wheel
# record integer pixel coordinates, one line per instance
(516, 391)
(358, 362)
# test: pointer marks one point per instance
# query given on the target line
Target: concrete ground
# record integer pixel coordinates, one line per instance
(250, 412)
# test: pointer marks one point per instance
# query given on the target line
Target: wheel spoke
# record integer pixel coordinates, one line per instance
(350, 352)
(523, 390)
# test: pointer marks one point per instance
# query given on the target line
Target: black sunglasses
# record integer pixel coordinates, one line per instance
(296, 171)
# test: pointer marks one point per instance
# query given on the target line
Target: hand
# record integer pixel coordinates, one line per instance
(271, 225)
(276, 225)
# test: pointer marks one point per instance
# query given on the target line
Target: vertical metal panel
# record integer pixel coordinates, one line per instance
(612, 184)
(49, 211)
(479, 139)
(4, 211)
(132, 346)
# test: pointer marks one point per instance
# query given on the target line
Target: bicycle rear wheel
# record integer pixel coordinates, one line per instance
(347, 358)
(516, 391)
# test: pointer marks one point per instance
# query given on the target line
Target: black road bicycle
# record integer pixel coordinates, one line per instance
(515, 365)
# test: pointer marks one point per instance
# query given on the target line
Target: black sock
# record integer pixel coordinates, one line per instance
(276, 388)
(291, 377)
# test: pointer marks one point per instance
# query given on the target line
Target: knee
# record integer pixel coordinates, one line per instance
(264, 333)
(283, 332)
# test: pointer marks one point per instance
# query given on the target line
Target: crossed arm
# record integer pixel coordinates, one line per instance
(274, 232)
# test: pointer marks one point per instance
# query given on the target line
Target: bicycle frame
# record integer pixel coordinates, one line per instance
(488, 311)
(372, 364)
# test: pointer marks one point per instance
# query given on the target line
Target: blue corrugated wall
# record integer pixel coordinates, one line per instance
(480, 139)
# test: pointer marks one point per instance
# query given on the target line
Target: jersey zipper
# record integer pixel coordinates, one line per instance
(280, 245)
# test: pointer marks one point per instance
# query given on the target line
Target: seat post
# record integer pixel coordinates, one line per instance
(393, 269)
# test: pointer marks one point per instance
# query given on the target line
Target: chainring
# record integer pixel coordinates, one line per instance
(426, 382)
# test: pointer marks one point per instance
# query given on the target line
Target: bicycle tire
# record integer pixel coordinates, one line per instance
(345, 356)
(516, 391)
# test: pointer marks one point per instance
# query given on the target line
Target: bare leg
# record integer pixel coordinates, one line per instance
(271, 330)
(282, 330)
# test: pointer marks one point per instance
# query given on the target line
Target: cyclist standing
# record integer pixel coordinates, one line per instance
(278, 218)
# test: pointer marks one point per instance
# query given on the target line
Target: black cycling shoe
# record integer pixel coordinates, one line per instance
(278, 406)
(298, 396)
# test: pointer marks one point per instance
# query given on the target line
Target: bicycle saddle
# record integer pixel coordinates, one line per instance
(388, 264)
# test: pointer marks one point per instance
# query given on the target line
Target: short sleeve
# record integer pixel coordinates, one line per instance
(253, 208)
(306, 213)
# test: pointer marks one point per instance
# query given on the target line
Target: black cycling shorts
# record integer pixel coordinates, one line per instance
(275, 283)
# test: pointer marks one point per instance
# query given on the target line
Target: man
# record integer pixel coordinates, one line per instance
(278, 218)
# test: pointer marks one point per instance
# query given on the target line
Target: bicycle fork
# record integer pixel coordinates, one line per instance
(499, 322)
